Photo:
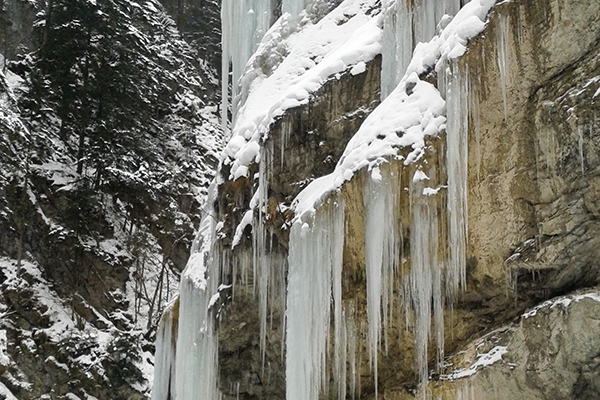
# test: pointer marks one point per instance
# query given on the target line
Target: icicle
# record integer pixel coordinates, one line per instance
(166, 346)
(457, 106)
(197, 340)
(339, 318)
(315, 264)
(269, 264)
(262, 265)
(406, 23)
(397, 44)
(379, 198)
(502, 45)
(424, 262)
(197, 361)
(353, 362)
(243, 24)
(580, 145)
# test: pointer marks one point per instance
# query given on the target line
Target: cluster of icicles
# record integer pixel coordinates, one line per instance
(321, 333)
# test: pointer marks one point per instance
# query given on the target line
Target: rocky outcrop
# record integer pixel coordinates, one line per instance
(551, 352)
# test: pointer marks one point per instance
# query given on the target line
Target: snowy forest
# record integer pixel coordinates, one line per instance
(109, 138)
(299, 199)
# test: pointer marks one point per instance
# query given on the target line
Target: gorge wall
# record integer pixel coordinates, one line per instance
(367, 249)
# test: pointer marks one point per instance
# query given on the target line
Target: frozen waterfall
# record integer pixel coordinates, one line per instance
(243, 24)
(331, 340)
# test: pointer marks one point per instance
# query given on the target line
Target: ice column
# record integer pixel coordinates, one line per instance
(269, 262)
(502, 45)
(164, 366)
(425, 272)
(381, 256)
(406, 23)
(243, 24)
(197, 340)
(315, 269)
(457, 108)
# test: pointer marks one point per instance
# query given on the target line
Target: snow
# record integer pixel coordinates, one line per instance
(5, 393)
(239, 230)
(358, 68)
(483, 360)
(400, 121)
(4, 359)
(564, 301)
(60, 315)
(317, 52)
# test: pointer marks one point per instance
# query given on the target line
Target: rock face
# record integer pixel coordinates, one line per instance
(549, 353)
(292, 160)
(16, 22)
(533, 201)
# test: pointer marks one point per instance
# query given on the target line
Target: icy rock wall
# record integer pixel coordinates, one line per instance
(287, 163)
(506, 130)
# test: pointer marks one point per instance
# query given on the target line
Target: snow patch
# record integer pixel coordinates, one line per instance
(483, 360)
(564, 301)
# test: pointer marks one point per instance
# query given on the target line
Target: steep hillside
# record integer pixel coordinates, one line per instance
(109, 139)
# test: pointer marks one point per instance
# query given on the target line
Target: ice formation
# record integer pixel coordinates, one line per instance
(320, 328)
(244, 23)
(425, 273)
(195, 356)
(406, 23)
(164, 358)
(314, 283)
(381, 255)
(457, 109)
(294, 7)
(502, 45)
(269, 264)
(413, 111)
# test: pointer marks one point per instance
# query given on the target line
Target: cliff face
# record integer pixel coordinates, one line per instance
(378, 297)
